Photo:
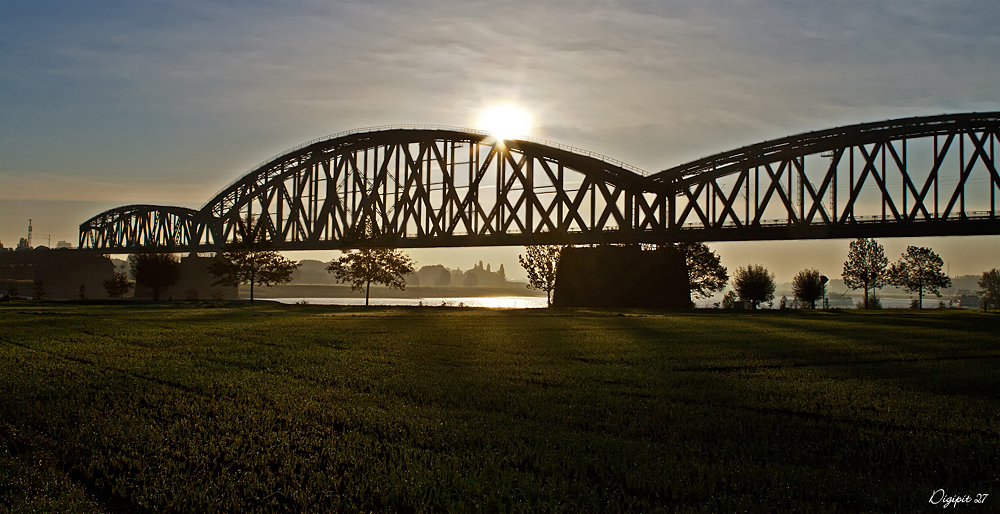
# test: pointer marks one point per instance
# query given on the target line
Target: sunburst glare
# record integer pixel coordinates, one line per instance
(505, 121)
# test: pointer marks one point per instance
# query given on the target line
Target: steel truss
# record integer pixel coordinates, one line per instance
(133, 226)
(451, 187)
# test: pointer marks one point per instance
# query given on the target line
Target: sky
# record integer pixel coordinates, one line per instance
(106, 103)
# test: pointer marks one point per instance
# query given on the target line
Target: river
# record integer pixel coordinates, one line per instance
(498, 302)
(531, 302)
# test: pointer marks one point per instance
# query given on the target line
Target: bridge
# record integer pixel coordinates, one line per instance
(448, 186)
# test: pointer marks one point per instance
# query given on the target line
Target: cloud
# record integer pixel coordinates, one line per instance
(50, 187)
(159, 93)
(113, 102)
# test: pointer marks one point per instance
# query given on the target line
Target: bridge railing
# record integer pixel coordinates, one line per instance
(588, 153)
(380, 128)
(829, 139)
(874, 218)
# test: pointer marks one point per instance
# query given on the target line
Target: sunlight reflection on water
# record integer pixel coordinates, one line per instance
(503, 302)
(530, 302)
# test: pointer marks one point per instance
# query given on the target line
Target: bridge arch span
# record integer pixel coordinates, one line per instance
(446, 186)
(134, 226)
(426, 187)
(920, 176)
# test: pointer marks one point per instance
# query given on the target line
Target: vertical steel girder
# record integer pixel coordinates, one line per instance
(449, 187)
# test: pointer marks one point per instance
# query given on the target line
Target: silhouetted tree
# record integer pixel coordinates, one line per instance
(541, 262)
(754, 284)
(444, 278)
(118, 285)
(371, 264)
(154, 269)
(729, 300)
(249, 260)
(919, 270)
(809, 286)
(989, 292)
(22, 245)
(866, 267)
(706, 274)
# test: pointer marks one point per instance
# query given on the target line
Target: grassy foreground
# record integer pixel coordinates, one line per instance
(271, 408)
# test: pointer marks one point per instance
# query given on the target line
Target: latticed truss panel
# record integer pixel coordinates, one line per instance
(430, 191)
(135, 226)
(445, 187)
(889, 186)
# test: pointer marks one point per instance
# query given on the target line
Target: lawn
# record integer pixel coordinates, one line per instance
(195, 407)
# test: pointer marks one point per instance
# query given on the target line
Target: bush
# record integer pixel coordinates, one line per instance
(809, 286)
(873, 303)
(754, 285)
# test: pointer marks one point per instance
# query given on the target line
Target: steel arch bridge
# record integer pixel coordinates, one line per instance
(446, 186)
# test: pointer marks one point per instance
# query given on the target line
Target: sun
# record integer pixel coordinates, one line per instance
(505, 121)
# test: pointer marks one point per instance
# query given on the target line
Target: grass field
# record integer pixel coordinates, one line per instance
(271, 408)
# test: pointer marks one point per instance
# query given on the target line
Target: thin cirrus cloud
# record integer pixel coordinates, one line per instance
(146, 95)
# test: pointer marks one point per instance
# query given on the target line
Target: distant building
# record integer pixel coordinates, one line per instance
(483, 276)
(64, 244)
(58, 275)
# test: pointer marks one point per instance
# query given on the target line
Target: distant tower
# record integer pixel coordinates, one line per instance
(29, 232)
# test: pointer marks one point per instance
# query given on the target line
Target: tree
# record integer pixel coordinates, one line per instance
(541, 262)
(866, 267)
(754, 284)
(444, 278)
(118, 285)
(249, 260)
(706, 274)
(729, 300)
(990, 292)
(371, 264)
(809, 286)
(919, 270)
(154, 269)
(22, 245)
